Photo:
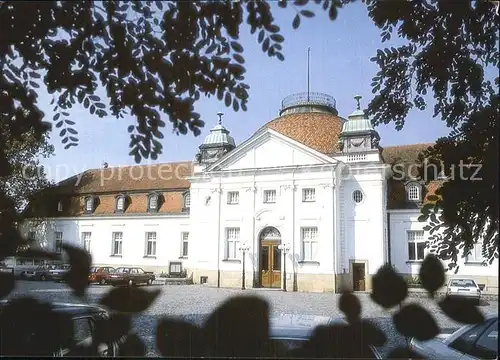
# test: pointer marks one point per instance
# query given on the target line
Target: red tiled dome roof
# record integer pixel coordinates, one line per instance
(317, 130)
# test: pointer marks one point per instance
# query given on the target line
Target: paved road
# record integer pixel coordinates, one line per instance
(189, 300)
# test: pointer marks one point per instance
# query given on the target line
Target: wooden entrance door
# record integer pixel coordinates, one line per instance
(358, 276)
(270, 264)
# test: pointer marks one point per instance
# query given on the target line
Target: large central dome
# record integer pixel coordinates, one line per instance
(311, 119)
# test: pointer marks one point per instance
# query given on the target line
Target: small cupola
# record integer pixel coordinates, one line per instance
(358, 133)
(216, 144)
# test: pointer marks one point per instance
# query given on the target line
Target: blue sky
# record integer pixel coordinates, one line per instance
(340, 66)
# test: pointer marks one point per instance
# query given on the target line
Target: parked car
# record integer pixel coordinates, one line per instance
(130, 276)
(290, 332)
(83, 317)
(6, 269)
(464, 288)
(40, 273)
(58, 272)
(100, 275)
(478, 341)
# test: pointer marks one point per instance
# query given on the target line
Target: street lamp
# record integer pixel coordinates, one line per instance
(284, 248)
(243, 248)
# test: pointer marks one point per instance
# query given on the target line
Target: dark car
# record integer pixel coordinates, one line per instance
(58, 272)
(289, 333)
(6, 269)
(83, 320)
(100, 275)
(130, 276)
(40, 273)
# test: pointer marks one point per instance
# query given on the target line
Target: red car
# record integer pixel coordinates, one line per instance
(100, 275)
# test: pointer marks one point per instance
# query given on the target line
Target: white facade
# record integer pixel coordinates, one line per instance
(330, 210)
(407, 232)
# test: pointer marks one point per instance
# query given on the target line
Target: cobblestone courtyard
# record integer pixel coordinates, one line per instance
(195, 299)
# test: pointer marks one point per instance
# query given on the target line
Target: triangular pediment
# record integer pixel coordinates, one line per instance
(269, 149)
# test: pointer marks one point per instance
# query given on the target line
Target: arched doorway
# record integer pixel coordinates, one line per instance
(270, 258)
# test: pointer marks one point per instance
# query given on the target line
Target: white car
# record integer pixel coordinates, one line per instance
(464, 288)
(470, 342)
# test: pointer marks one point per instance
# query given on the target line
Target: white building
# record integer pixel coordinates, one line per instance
(309, 180)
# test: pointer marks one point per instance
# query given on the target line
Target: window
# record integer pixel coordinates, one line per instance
(184, 244)
(120, 203)
(59, 206)
(476, 254)
(151, 243)
(117, 243)
(82, 329)
(233, 197)
(308, 195)
(416, 245)
(86, 240)
(232, 243)
(486, 346)
(269, 196)
(187, 200)
(414, 192)
(309, 243)
(465, 343)
(153, 202)
(31, 236)
(357, 196)
(58, 243)
(89, 204)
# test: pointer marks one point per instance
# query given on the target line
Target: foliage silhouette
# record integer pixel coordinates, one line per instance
(239, 327)
(389, 288)
(431, 274)
(450, 54)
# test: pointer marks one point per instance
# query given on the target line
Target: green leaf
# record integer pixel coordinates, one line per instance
(129, 299)
(86, 103)
(432, 274)
(461, 310)
(307, 13)
(260, 38)
(227, 99)
(296, 22)
(389, 288)
(236, 46)
(412, 320)
(62, 133)
(56, 116)
(265, 45)
(277, 37)
(423, 218)
(80, 261)
(239, 58)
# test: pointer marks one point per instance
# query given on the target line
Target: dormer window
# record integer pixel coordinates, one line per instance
(121, 203)
(153, 202)
(414, 192)
(186, 201)
(90, 204)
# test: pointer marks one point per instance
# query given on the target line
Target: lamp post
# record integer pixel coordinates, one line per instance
(284, 248)
(243, 248)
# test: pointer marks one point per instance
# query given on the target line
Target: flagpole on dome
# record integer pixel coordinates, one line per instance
(308, 73)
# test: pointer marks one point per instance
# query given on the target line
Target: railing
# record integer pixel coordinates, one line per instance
(311, 98)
